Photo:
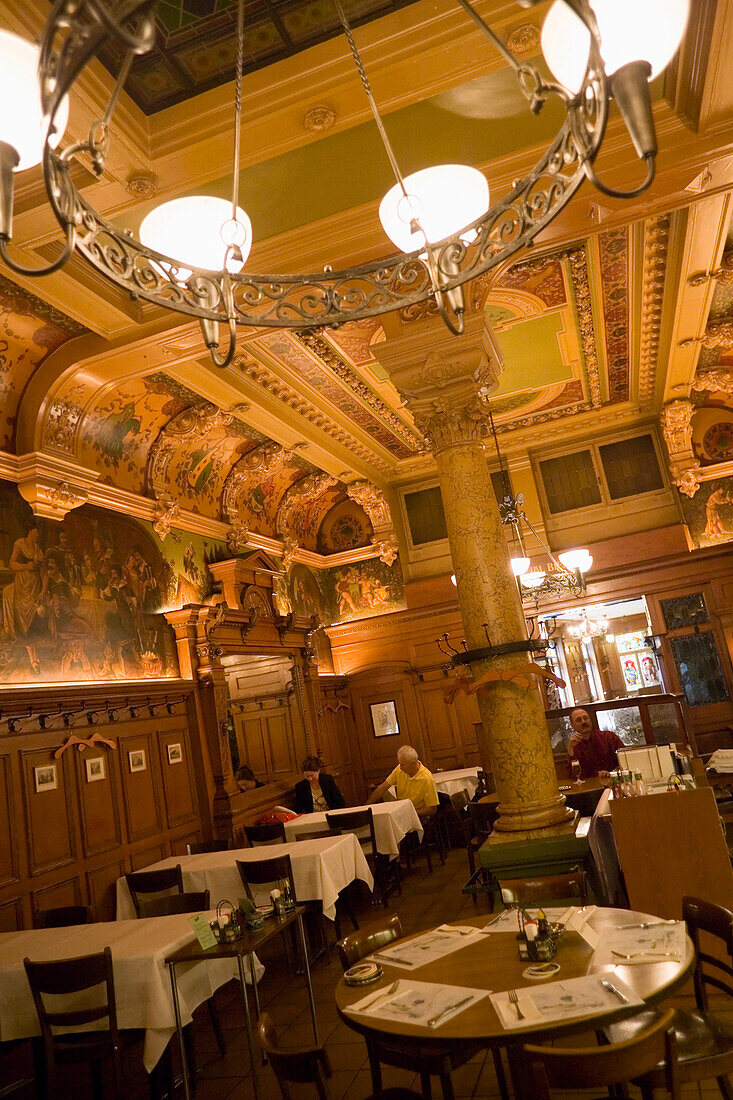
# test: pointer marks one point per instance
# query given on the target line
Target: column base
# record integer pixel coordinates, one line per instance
(528, 816)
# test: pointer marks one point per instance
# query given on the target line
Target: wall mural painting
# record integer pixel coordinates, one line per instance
(364, 589)
(259, 503)
(306, 597)
(345, 527)
(709, 514)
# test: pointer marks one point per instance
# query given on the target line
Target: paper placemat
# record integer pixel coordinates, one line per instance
(424, 949)
(422, 1004)
(640, 946)
(557, 1001)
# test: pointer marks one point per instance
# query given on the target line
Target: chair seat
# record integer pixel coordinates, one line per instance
(88, 1044)
(704, 1041)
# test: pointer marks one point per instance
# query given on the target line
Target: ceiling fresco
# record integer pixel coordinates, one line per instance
(195, 45)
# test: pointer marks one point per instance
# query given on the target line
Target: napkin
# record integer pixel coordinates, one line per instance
(507, 1013)
(366, 1002)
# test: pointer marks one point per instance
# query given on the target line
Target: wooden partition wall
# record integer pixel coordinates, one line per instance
(72, 825)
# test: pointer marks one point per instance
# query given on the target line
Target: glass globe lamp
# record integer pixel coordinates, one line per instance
(534, 579)
(22, 122)
(190, 230)
(444, 199)
(520, 566)
(573, 560)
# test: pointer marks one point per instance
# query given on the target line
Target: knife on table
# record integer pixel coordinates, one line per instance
(611, 988)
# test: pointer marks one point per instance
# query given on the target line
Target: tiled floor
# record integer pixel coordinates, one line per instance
(427, 900)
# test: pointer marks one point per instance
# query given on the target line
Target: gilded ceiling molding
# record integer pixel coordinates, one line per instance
(718, 334)
(523, 39)
(319, 119)
(297, 502)
(584, 306)
(238, 538)
(167, 516)
(372, 502)
(613, 258)
(291, 397)
(676, 421)
(723, 275)
(714, 381)
(656, 247)
(346, 374)
(260, 459)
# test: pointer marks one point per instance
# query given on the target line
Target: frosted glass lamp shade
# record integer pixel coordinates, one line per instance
(631, 30)
(22, 122)
(190, 230)
(533, 579)
(576, 559)
(444, 198)
(520, 566)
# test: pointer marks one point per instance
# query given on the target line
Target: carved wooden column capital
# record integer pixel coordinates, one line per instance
(676, 421)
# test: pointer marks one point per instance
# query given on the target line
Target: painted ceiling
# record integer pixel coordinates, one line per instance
(195, 44)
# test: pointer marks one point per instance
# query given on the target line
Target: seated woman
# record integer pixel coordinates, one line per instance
(317, 791)
(246, 779)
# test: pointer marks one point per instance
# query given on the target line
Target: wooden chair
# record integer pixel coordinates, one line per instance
(270, 871)
(704, 1040)
(651, 1055)
(192, 901)
(361, 943)
(432, 823)
(154, 882)
(264, 834)
(67, 977)
(538, 891)
(64, 916)
(201, 847)
(387, 874)
(478, 826)
(296, 1065)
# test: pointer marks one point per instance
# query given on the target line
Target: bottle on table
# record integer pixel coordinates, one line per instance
(639, 784)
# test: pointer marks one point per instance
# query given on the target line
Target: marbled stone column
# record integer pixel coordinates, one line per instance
(446, 392)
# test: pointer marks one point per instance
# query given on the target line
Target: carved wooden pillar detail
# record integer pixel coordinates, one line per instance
(676, 419)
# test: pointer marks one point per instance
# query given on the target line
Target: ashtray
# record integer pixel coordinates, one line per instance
(538, 971)
(363, 974)
(265, 910)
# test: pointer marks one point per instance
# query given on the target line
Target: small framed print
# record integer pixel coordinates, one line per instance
(384, 719)
(95, 769)
(137, 760)
(175, 754)
(46, 779)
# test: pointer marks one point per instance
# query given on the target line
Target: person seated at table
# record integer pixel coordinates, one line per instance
(317, 791)
(593, 748)
(411, 779)
(246, 780)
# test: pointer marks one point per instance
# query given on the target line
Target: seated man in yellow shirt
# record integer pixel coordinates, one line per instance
(411, 779)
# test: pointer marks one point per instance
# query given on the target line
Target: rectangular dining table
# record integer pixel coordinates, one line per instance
(142, 989)
(392, 822)
(321, 869)
(461, 779)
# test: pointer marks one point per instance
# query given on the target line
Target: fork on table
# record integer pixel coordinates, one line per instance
(648, 954)
(514, 1000)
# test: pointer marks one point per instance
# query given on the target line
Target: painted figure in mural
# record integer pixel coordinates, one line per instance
(345, 595)
(67, 559)
(122, 623)
(111, 436)
(22, 598)
(715, 528)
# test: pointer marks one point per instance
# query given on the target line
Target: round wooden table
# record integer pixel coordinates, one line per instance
(493, 963)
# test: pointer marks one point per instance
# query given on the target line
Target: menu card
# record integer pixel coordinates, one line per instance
(425, 949)
(556, 1001)
(423, 1004)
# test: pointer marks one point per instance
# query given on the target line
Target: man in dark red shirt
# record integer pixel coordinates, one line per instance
(594, 749)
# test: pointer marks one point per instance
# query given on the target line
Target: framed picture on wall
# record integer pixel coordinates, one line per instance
(46, 779)
(137, 760)
(175, 754)
(95, 769)
(384, 719)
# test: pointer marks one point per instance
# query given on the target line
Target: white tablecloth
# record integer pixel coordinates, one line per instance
(464, 779)
(142, 981)
(392, 820)
(321, 868)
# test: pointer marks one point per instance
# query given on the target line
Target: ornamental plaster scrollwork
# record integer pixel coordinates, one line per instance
(371, 500)
(387, 549)
(676, 420)
(61, 424)
(166, 515)
(198, 420)
(656, 246)
(523, 39)
(584, 303)
(296, 499)
(51, 499)
(260, 459)
(723, 275)
(290, 550)
(714, 381)
(238, 538)
(718, 334)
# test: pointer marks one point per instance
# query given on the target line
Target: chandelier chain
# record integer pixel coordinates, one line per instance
(238, 107)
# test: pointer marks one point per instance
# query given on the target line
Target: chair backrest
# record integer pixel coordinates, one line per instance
(359, 822)
(596, 1067)
(154, 882)
(193, 901)
(298, 1065)
(259, 872)
(63, 916)
(537, 891)
(706, 916)
(68, 977)
(459, 801)
(200, 847)
(273, 833)
(483, 815)
(318, 834)
(361, 943)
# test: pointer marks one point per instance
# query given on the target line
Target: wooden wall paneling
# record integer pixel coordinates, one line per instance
(8, 825)
(140, 794)
(51, 835)
(101, 828)
(177, 777)
(11, 915)
(379, 754)
(467, 718)
(442, 736)
(251, 739)
(145, 857)
(101, 889)
(338, 745)
(279, 735)
(67, 892)
(179, 843)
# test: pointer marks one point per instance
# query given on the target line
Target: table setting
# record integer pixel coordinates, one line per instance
(562, 1000)
(643, 943)
(428, 947)
(425, 1004)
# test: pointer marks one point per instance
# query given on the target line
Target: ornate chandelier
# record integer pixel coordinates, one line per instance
(563, 575)
(191, 253)
(587, 628)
